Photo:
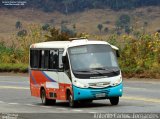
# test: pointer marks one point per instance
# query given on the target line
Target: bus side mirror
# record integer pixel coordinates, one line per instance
(63, 59)
(117, 53)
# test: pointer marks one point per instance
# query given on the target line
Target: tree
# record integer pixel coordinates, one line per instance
(45, 27)
(56, 35)
(123, 22)
(18, 25)
(106, 29)
(70, 32)
(66, 4)
(127, 30)
(74, 26)
(22, 33)
(100, 26)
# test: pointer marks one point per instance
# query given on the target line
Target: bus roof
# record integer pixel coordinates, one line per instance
(66, 44)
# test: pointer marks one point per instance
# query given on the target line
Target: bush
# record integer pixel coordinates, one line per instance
(106, 29)
(22, 33)
(18, 25)
(141, 55)
(45, 27)
(100, 26)
(66, 30)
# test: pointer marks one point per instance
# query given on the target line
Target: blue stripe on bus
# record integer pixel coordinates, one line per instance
(32, 77)
(49, 78)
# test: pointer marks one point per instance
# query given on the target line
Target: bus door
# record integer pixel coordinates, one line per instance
(52, 73)
(57, 72)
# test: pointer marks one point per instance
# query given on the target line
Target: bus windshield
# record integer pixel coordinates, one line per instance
(92, 57)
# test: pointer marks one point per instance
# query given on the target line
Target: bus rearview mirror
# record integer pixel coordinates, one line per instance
(117, 53)
(64, 59)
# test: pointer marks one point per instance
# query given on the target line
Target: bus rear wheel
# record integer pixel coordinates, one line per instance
(44, 99)
(114, 100)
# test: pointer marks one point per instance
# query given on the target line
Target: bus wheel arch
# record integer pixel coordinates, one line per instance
(68, 92)
(41, 89)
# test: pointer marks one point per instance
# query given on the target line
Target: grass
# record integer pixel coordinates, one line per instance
(9, 67)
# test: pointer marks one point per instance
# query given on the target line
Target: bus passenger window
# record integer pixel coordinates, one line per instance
(60, 60)
(66, 66)
(31, 58)
(34, 58)
(53, 61)
(44, 59)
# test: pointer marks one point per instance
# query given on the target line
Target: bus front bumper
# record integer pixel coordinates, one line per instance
(100, 93)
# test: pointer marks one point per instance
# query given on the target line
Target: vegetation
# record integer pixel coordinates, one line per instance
(45, 27)
(139, 55)
(22, 33)
(70, 6)
(66, 30)
(56, 35)
(106, 29)
(10, 67)
(100, 26)
(18, 25)
(123, 23)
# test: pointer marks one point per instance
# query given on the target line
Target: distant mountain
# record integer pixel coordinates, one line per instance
(70, 6)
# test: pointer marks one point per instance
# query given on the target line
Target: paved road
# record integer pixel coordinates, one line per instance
(139, 96)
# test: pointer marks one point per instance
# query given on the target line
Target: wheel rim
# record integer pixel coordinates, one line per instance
(43, 97)
(71, 101)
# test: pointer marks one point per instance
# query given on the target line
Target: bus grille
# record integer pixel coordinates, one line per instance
(99, 92)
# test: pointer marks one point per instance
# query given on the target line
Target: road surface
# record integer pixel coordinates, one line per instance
(139, 96)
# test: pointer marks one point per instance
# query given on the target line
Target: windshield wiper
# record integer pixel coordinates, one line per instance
(91, 71)
(112, 70)
(81, 70)
(106, 69)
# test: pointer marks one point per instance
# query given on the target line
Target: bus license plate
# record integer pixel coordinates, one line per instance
(100, 95)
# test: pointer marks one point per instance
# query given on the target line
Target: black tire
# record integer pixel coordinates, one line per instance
(44, 99)
(72, 103)
(114, 100)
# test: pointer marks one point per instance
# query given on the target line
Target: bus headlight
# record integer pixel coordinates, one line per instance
(80, 85)
(117, 82)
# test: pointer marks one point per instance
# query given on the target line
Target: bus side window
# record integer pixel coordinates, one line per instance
(60, 60)
(66, 65)
(34, 58)
(53, 59)
(31, 58)
(45, 59)
(42, 59)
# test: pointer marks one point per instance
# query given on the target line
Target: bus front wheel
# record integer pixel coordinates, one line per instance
(114, 100)
(72, 103)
